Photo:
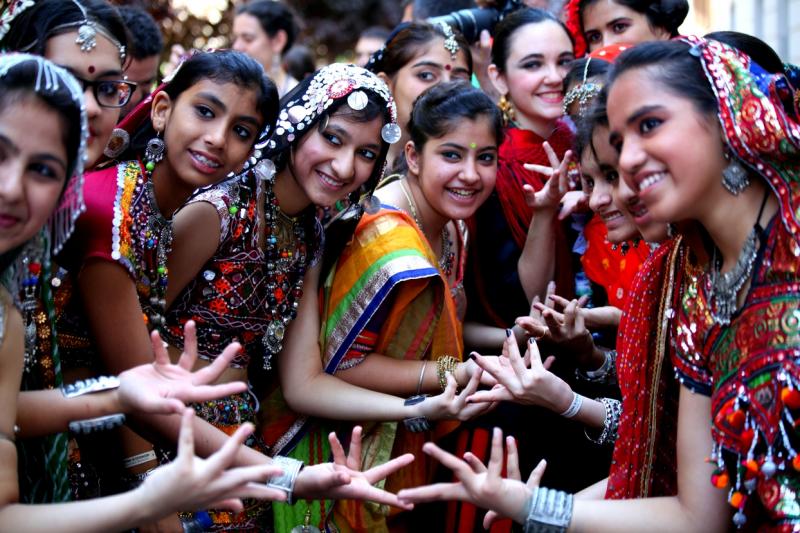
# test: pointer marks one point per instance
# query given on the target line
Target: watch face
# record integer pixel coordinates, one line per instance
(414, 400)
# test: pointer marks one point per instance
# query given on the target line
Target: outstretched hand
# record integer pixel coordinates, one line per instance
(480, 485)
(555, 188)
(189, 482)
(451, 406)
(343, 479)
(163, 387)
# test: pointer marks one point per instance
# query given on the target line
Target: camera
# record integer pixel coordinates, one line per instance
(470, 22)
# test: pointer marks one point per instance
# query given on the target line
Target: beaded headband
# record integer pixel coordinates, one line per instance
(49, 79)
(88, 29)
(759, 126)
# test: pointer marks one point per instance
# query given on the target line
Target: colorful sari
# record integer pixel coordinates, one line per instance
(388, 262)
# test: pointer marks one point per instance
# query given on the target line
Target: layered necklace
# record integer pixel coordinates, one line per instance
(725, 287)
(448, 258)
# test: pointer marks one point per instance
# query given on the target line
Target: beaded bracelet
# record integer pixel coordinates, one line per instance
(101, 423)
(574, 407)
(548, 511)
(445, 364)
(613, 410)
(285, 482)
(90, 385)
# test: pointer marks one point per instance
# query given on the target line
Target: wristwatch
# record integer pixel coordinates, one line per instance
(416, 424)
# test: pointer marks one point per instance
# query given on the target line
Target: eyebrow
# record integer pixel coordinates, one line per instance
(428, 64)
(14, 149)
(616, 20)
(214, 99)
(642, 111)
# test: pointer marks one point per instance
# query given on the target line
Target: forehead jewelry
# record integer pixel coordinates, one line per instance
(583, 92)
(450, 43)
(87, 33)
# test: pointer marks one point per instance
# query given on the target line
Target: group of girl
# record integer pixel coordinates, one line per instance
(268, 243)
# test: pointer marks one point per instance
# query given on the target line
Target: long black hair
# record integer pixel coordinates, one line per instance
(507, 28)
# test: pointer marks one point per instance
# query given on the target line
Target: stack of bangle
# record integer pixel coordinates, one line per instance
(285, 482)
(90, 385)
(574, 407)
(610, 423)
(445, 364)
(101, 423)
(605, 375)
(548, 511)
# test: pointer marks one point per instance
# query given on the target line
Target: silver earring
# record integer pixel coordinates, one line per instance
(734, 176)
(154, 152)
(118, 143)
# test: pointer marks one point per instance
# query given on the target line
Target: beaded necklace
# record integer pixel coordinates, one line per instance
(448, 257)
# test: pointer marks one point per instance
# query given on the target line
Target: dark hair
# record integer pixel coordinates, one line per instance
(376, 32)
(440, 108)
(407, 41)
(18, 85)
(667, 14)
(221, 66)
(597, 67)
(33, 27)
(145, 35)
(299, 62)
(424, 9)
(273, 17)
(758, 50)
(673, 67)
(505, 30)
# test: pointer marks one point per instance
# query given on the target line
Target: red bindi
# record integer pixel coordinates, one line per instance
(447, 67)
(91, 69)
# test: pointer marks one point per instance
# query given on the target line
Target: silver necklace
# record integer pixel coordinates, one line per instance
(725, 287)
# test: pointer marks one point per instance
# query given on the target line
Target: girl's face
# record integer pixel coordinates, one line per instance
(534, 71)
(606, 22)
(208, 130)
(249, 37)
(456, 172)
(102, 63)
(33, 169)
(432, 65)
(599, 181)
(670, 155)
(330, 164)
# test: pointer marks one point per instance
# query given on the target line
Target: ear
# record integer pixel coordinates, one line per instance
(412, 158)
(385, 79)
(160, 111)
(278, 41)
(498, 79)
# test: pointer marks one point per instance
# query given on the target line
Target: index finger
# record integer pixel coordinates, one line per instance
(212, 372)
(551, 155)
(189, 355)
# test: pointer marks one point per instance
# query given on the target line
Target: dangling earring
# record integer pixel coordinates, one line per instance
(734, 176)
(117, 144)
(506, 109)
(154, 152)
(370, 204)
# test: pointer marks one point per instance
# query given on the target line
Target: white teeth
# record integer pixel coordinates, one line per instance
(463, 193)
(207, 162)
(612, 216)
(330, 181)
(651, 180)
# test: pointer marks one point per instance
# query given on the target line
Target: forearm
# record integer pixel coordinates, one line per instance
(489, 339)
(44, 412)
(593, 492)
(537, 264)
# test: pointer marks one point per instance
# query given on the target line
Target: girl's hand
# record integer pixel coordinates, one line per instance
(567, 327)
(466, 370)
(551, 195)
(452, 406)
(343, 479)
(530, 386)
(163, 387)
(478, 484)
(189, 482)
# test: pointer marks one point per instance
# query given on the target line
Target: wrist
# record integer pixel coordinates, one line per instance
(461, 374)
(593, 361)
(563, 398)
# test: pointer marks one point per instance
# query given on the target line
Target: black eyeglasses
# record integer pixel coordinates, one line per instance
(109, 93)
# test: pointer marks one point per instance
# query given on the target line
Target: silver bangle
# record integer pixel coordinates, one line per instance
(606, 374)
(285, 482)
(92, 425)
(613, 409)
(574, 407)
(548, 511)
(421, 377)
(90, 385)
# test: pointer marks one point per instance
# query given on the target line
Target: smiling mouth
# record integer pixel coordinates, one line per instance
(205, 161)
(463, 193)
(611, 217)
(554, 97)
(651, 180)
(8, 221)
(330, 181)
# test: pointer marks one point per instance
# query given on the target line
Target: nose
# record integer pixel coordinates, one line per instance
(215, 135)
(600, 198)
(12, 181)
(631, 158)
(469, 172)
(553, 75)
(93, 109)
(238, 45)
(625, 194)
(343, 164)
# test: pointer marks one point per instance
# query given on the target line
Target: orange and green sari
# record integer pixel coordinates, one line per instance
(388, 262)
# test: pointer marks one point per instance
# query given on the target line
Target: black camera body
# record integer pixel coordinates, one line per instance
(471, 22)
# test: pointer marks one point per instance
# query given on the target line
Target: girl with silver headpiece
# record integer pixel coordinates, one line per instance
(88, 38)
(43, 130)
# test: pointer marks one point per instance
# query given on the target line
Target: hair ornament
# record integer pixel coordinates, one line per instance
(450, 43)
(265, 170)
(583, 92)
(12, 11)
(87, 33)
(391, 133)
(357, 100)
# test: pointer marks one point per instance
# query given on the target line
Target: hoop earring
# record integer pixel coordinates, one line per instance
(734, 176)
(118, 143)
(154, 152)
(507, 110)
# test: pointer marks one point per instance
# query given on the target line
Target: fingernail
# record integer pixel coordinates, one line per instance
(532, 341)
(472, 355)
(508, 333)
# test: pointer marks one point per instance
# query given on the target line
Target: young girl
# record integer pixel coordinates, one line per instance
(97, 56)
(688, 96)
(43, 131)
(599, 23)
(416, 56)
